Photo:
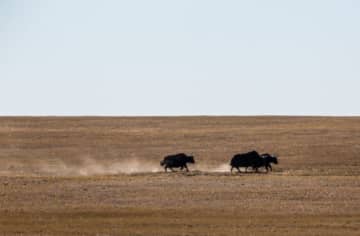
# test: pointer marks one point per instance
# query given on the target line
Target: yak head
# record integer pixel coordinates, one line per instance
(190, 159)
(274, 160)
(270, 159)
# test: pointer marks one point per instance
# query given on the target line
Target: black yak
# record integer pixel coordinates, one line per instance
(254, 160)
(177, 161)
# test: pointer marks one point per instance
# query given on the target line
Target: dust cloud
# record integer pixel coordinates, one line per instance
(214, 169)
(90, 166)
(221, 168)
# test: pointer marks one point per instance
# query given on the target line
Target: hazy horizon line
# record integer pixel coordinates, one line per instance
(177, 115)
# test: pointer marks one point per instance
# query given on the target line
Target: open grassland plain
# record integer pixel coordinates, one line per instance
(101, 176)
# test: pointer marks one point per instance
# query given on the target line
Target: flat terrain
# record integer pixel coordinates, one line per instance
(101, 176)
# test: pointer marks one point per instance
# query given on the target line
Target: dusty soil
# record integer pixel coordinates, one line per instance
(101, 176)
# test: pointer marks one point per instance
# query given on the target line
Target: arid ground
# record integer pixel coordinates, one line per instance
(101, 176)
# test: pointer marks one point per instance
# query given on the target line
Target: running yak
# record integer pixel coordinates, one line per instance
(179, 160)
(254, 160)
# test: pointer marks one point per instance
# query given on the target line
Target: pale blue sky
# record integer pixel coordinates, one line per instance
(196, 57)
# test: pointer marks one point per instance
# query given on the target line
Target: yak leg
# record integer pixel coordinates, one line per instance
(187, 169)
(268, 167)
(231, 169)
(165, 168)
(238, 169)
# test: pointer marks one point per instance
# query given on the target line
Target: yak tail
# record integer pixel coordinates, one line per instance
(162, 163)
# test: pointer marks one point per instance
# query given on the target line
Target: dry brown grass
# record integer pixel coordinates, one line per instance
(64, 176)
